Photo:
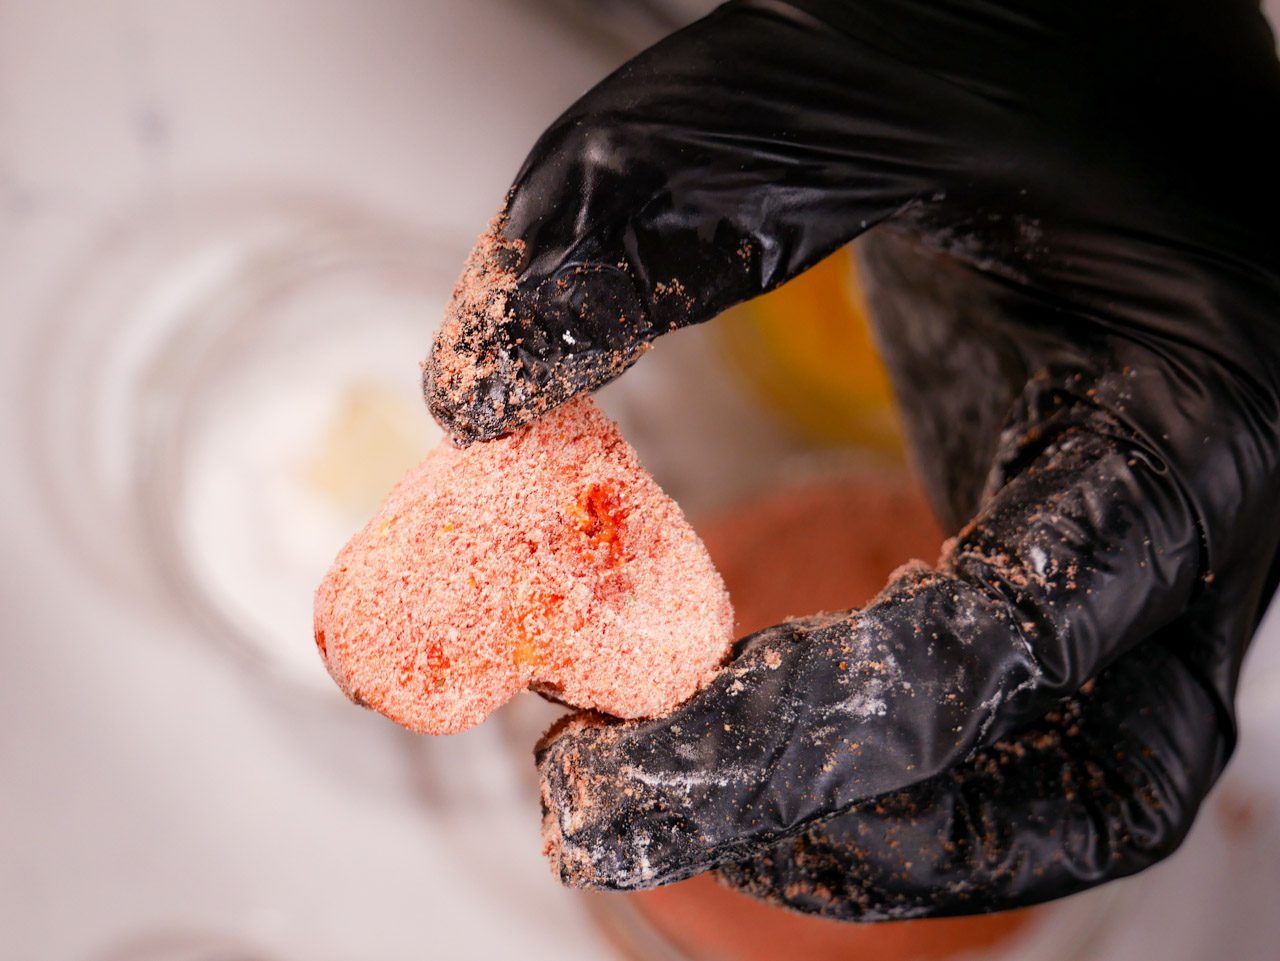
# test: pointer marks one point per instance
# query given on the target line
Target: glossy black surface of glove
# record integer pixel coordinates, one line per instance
(1077, 292)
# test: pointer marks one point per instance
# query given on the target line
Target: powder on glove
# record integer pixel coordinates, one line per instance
(549, 559)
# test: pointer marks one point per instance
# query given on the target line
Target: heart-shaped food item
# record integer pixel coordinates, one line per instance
(549, 559)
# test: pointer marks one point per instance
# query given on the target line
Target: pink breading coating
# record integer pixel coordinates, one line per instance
(548, 558)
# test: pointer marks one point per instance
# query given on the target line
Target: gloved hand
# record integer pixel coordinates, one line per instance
(1076, 283)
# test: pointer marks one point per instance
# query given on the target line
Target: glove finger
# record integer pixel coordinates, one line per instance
(1090, 548)
(711, 168)
(1105, 785)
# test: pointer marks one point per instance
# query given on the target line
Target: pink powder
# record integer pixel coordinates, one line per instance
(548, 558)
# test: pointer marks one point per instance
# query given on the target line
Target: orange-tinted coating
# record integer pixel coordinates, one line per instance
(549, 558)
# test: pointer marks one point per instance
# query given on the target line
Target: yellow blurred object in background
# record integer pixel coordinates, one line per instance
(807, 349)
(372, 438)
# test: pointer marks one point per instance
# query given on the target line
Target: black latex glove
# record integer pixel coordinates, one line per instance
(1077, 291)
